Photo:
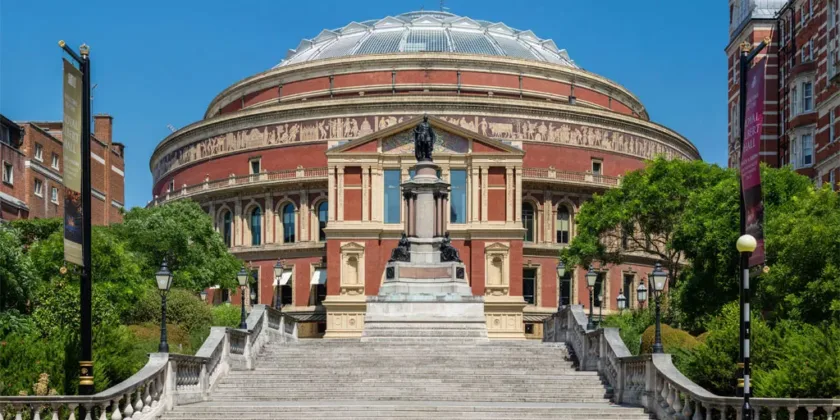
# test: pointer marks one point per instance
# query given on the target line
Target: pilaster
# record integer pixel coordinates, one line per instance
(237, 221)
(484, 180)
(376, 194)
(518, 194)
(340, 175)
(213, 216)
(269, 219)
(365, 193)
(332, 203)
(548, 217)
(508, 194)
(475, 191)
(303, 213)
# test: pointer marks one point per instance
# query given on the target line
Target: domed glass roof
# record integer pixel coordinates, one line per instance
(427, 31)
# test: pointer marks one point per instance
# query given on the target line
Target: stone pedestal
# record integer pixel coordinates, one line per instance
(424, 297)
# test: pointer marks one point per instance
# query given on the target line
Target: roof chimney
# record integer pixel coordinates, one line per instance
(103, 128)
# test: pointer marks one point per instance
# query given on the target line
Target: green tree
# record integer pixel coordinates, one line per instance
(32, 230)
(16, 272)
(183, 233)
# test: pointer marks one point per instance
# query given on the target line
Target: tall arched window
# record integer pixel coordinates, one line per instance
(528, 221)
(322, 220)
(256, 226)
(288, 223)
(227, 228)
(563, 224)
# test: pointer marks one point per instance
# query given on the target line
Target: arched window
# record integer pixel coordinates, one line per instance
(288, 223)
(256, 226)
(322, 220)
(528, 221)
(227, 228)
(563, 221)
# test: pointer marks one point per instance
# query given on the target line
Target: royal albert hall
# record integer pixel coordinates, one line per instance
(301, 165)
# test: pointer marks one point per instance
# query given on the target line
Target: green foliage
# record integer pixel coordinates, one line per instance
(33, 230)
(226, 315)
(13, 322)
(23, 357)
(183, 233)
(673, 340)
(631, 325)
(17, 277)
(182, 307)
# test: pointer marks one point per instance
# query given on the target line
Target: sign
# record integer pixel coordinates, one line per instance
(750, 160)
(71, 134)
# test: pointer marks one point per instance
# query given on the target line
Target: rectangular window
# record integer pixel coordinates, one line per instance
(8, 173)
(39, 152)
(392, 196)
(255, 166)
(831, 119)
(807, 97)
(794, 93)
(5, 134)
(803, 56)
(55, 161)
(811, 50)
(171, 185)
(807, 150)
(458, 196)
(54, 195)
(628, 290)
(39, 187)
(810, 8)
(318, 287)
(529, 285)
(566, 289)
(596, 291)
(596, 166)
(254, 286)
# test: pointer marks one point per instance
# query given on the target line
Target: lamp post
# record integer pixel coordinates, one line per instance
(278, 273)
(164, 281)
(621, 300)
(242, 278)
(641, 294)
(746, 245)
(561, 272)
(253, 297)
(658, 278)
(591, 277)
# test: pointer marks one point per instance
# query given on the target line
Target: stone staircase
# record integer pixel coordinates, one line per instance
(348, 379)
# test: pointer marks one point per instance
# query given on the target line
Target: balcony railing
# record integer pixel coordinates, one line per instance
(584, 178)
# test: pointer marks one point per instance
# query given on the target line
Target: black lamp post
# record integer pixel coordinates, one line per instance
(621, 300)
(164, 281)
(746, 245)
(561, 272)
(278, 273)
(591, 277)
(242, 278)
(658, 278)
(641, 294)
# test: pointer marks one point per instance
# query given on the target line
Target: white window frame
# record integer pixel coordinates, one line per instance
(831, 121)
(39, 188)
(795, 95)
(54, 195)
(39, 152)
(600, 163)
(251, 166)
(802, 142)
(171, 186)
(810, 8)
(55, 160)
(8, 173)
(811, 49)
(806, 99)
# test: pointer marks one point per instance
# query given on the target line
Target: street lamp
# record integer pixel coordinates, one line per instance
(242, 278)
(591, 277)
(746, 245)
(164, 281)
(561, 272)
(658, 278)
(278, 273)
(621, 300)
(253, 296)
(641, 294)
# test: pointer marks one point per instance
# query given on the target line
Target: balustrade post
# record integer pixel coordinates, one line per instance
(829, 412)
(676, 401)
(204, 382)
(686, 411)
(54, 409)
(103, 410)
(129, 409)
(116, 413)
(36, 412)
(247, 353)
(138, 403)
(811, 410)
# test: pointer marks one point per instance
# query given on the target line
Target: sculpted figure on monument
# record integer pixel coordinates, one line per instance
(448, 253)
(401, 252)
(424, 140)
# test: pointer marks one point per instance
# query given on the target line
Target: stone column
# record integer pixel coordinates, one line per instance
(475, 191)
(517, 194)
(237, 222)
(303, 212)
(438, 214)
(413, 220)
(377, 195)
(508, 194)
(269, 225)
(213, 216)
(340, 207)
(331, 196)
(444, 219)
(365, 194)
(548, 217)
(407, 207)
(484, 181)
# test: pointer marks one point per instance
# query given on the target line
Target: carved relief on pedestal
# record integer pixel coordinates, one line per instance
(497, 269)
(352, 269)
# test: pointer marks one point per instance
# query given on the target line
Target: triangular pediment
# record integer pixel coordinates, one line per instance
(455, 136)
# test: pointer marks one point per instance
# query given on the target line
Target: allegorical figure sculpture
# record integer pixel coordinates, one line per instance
(448, 253)
(401, 252)
(424, 140)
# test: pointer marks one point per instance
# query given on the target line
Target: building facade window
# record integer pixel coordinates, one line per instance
(171, 186)
(807, 97)
(598, 289)
(5, 134)
(288, 223)
(566, 289)
(254, 286)
(529, 285)
(597, 166)
(831, 130)
(54, 195)
(256, 226)
(563, 224)
(628, 290)
(39, 187)
(55, 161)
(458, 196)
(323, 210)
(227, 229)
(803, 151)
(254, 166)
(392, 196)
(528, 221)
(8, 173)
(318, 287)
(39, 152)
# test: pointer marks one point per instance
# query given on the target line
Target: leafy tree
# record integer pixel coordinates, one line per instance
(182, 233)
(16, 273)
(631, 325)
(32, 230)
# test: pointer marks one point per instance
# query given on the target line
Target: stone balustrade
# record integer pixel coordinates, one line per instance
(166, 380)
(653, 382)
(570, 177)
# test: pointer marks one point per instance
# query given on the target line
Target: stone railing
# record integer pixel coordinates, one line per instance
(653, 382)
(232, 181)
(572, 177)
(166, 380)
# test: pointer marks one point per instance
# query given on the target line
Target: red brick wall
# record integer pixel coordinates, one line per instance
(579, 160)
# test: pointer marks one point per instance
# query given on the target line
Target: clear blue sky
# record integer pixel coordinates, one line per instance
(161, 62)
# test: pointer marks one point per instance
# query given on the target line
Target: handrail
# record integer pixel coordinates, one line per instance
(653, 382)
(166, 380)
(570, 176)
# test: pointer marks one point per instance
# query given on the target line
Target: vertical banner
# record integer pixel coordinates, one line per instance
(750, 160)
(71, 133)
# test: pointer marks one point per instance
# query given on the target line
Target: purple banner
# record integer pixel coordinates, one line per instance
(750, 160)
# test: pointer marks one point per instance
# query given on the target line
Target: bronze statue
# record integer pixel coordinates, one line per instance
(401, 252)
(448, 253)
(424, 140)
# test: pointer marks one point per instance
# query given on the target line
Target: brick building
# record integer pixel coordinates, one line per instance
(33, 155)
(303, 163)
(801, 107)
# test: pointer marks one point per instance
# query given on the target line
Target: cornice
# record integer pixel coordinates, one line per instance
(422, 61)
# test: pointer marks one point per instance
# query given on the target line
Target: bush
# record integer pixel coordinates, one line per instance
(146, 338)
(226, 315)
(24, 357)
(182, 308)
(631, 325)
(673, 340)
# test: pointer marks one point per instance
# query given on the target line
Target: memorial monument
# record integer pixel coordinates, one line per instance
(425, 293)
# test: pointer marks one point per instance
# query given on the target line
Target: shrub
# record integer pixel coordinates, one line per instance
(673, 340)
(182, 308)
(631, 325)
(226, 315)
(23, 358)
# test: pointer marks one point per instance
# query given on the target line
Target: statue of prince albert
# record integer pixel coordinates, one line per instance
(424, 140)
